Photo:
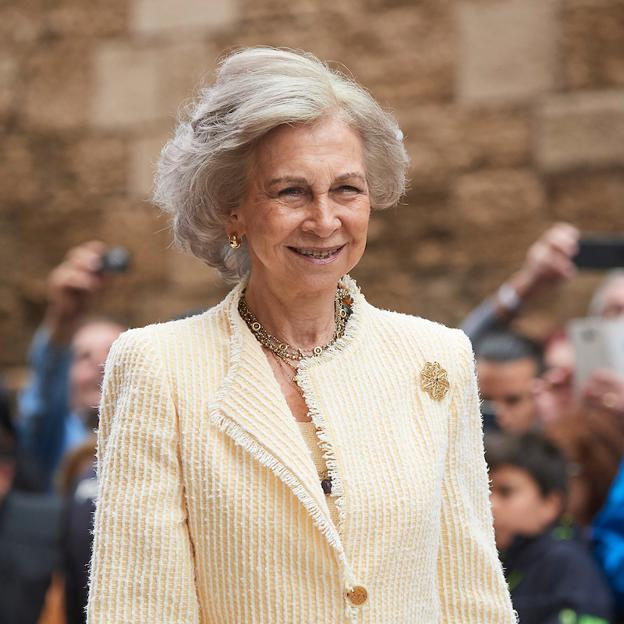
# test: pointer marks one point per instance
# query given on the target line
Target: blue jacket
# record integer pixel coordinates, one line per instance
(46, 426)
(608, 536)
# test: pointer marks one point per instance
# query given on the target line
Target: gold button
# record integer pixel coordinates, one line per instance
(358, 595)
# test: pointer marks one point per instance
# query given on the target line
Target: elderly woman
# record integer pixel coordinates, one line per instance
(292, 455)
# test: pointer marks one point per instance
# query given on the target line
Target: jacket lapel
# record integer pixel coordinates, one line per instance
(265, 427)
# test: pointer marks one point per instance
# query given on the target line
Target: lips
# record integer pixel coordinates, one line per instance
(317, 253)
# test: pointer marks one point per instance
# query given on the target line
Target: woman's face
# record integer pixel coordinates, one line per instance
(306, 210)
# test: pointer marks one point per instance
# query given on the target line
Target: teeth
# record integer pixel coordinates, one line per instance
(317, 254)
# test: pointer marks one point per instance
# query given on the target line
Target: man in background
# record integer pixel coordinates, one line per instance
(58, 409)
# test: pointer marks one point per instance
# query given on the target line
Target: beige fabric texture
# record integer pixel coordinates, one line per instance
(210, 510)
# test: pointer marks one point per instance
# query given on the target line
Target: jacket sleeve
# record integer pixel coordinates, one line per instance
(142, 569)
(471, 585)
(44, 411)
(608, 537)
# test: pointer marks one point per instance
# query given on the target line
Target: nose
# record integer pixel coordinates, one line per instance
(322, 218)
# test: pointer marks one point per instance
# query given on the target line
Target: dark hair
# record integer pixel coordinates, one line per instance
(592, 440)
(508, 346)
(6, 422)
(8, 450)
(542, 459)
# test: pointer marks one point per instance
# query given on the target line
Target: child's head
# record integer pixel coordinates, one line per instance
(529, 483)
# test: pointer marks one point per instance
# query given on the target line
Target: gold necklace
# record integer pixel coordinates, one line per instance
(343, 303)
(288, 355)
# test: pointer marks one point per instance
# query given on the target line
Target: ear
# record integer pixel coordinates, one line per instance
(553, 507)
(234, 223)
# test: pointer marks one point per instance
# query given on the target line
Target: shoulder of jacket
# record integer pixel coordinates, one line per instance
(434, 341)
(148, 346)
(418, 326)
(174, 330)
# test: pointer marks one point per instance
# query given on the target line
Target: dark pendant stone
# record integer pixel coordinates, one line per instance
(326, 484)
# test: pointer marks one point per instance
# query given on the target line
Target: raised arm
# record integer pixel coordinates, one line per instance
(142, 569)
(471, 584)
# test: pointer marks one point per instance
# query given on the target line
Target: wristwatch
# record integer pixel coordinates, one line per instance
(508, 297)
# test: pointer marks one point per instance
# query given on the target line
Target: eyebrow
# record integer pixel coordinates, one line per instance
(299, 180)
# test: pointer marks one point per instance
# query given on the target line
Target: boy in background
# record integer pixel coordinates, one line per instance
(552, 576)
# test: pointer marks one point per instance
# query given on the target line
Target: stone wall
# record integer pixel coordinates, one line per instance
(513, 112)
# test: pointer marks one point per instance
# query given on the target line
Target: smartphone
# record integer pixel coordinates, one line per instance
(600, 252)
(598, 343)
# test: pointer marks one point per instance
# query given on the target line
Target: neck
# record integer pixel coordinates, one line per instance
(302, 319)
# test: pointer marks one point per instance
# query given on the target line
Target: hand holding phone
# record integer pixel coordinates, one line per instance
(600, 252)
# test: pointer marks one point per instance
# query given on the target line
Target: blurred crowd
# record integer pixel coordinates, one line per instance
(554, 448)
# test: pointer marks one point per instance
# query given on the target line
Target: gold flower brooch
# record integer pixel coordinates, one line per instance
(434, 380)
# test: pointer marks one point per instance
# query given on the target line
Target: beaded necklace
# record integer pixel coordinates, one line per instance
(285, 352)
(287, 355)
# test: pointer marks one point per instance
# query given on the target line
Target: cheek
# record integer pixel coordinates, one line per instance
(270, 227)
(84, 375)
(356, 224)
(517, 513)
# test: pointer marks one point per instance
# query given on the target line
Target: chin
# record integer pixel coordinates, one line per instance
(318, 282)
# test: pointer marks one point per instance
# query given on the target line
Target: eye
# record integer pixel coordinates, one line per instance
(347, 188)
(505, 491)
(292, 191)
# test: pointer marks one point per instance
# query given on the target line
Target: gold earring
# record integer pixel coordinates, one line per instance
(234, 241)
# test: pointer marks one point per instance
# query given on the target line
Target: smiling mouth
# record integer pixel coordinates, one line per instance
(320, 254)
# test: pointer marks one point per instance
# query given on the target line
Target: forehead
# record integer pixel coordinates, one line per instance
(328, 145)
(615, 291)
(512, 372)
(511, 475)
(95, 336)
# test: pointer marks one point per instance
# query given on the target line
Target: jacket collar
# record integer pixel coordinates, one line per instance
(266, 427)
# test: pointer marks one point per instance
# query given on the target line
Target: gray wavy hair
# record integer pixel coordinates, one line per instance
(598, 302)
(202, 171)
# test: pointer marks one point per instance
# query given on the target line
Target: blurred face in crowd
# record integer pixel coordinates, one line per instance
(508, 386)
(90, 347)
(518, 506)
(613, 305)
(555, 392)
(306, 211)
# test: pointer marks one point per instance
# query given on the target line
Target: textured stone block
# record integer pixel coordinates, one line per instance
(183, 67)
(493, 198)
(8, 82)
(56, 93)
(18, 172)
(584, 129)
(592, 36)
(98, 165)
(592, 200)
(445, 140)
(126, 86)
(403, 54)
(156, 16)
(20, 22)
(499, 213)
(144, 153)
(507, 49)
(142, 85)
(96, 18)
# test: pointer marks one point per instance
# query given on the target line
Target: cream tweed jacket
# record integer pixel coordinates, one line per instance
(210, 509)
